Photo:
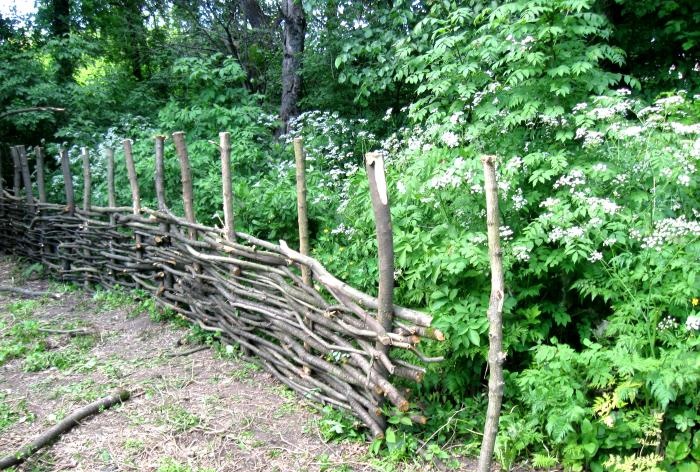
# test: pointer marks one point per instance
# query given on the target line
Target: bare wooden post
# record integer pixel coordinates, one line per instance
(70, 196)
(87, 189)
(160, 173)
(134, 184)
(87, 180)
(40, 178)
(15, 168)
(302, 214)
(302, 219)
(162, 205)
(186, 177)
(68, 181)
(495, 316)
(225, 147)
(111, 195)
(374, 163)
(26, 176)
(41, 185)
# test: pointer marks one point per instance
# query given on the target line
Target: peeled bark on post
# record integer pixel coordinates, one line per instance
(186, 178)
(302, 214)
(111, 195)
(302, 219)
(160, 196)
(26, 176)
(16, 169)
(133, 178)
(134, 184)
(68, 181)
(293, 48)
(374, 163)
(225, 147)
(495, 316)
(40, 178)
(160, 173)
(87, 180)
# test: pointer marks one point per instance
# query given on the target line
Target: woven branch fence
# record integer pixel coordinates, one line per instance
(322, 338)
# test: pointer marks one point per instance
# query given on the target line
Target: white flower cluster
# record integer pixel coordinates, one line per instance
(453, 176)
(521, 253)
(574, 232)
(590, 138)
(607, 205)
(595, 256)
(505, 233)
(342, 229)
(668, 323)
(692, 323)
(450, 138)
(573, 180)
(668, 230)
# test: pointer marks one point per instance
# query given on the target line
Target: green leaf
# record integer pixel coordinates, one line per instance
(474, 337)
(390, 436)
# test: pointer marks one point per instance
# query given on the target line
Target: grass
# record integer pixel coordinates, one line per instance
(178, 418)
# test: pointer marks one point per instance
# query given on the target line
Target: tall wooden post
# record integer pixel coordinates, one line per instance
(26, 177)
(134, 184)
(374, 164)
(41, 185)
(68, 181)
(162, 205)
(87, 190)
(40, 178)
(302, 215)
(87, 179)
(495, 316)
(225, 147)
(70, 198)
(111, 195)
(16, 169)
(186, 178)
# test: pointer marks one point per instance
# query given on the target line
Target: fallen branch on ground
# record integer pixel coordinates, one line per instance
(70, 332)
(63, 426)
(187, 353)
(29, 293)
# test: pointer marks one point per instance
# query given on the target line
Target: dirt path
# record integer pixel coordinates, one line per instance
(201, 412)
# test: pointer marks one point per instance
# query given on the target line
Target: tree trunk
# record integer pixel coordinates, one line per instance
(293, 47)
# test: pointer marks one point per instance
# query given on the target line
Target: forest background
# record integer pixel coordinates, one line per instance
(591, 108)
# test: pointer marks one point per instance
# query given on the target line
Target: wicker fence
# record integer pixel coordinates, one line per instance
(322, 338)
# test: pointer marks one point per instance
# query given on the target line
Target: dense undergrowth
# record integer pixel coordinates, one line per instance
(598, 156)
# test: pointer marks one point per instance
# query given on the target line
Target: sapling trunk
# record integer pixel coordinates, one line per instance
(495, 316)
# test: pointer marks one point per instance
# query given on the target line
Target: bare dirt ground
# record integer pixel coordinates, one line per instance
(193, 413)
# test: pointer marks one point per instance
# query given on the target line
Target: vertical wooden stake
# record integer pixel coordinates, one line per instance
(302, 214)
(162, 204)
(40, 178)
(26, 176)
(87, 189)
(186, 177)
(111, 195)
(374, 164)
(15, 168)
(134, 184)
(225, 147)
(41, 185)
(70, 199)
(303, 221)
(68, 181)
(160, 173)
(495, 316)
(87, 180)
(133, 178)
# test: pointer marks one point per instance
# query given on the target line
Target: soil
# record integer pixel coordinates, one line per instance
(189, 413)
